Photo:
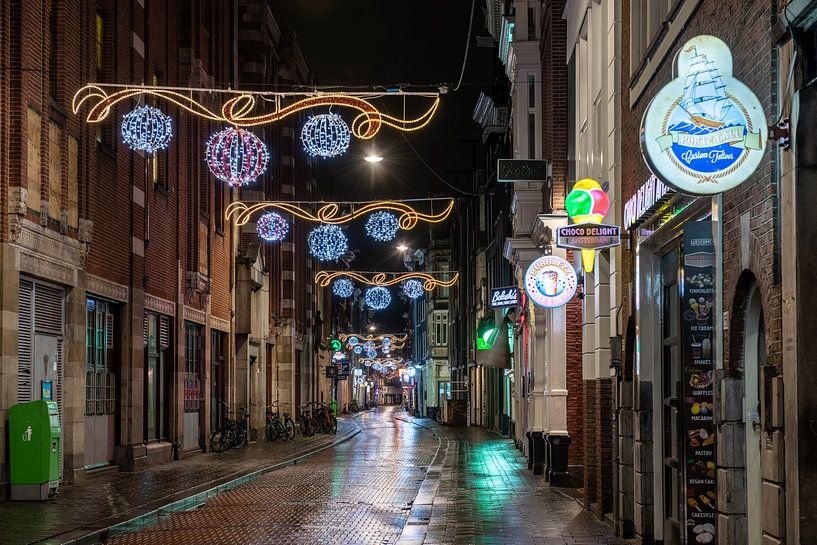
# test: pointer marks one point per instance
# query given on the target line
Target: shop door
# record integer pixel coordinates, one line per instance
(216, 379)
(192, 385)
(671, 386)
(100, 383)
(754, 359)
(157, 344)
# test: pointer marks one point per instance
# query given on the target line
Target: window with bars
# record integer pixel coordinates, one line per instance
(100, 375)
(192, 366)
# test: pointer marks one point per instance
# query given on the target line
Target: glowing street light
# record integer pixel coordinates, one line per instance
(402, 247)
(373, 157)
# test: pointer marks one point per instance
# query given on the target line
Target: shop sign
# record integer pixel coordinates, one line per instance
(331, 371)
(588, 236)
(645, 201)
(522, 170)
(705, 131)
(550, 281)
(698, 349)
(504, 297)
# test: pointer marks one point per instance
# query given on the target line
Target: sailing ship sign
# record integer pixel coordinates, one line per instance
(704, 132)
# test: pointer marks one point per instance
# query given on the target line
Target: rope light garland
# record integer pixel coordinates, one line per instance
(273, 228)
(358, 337)
(147, 129)
(238, 110)
(323, 278)
(330, 213)
(327, 242)
(382, 226)
(326, 135)
(343, 287)
(378, 298)
(383, 361)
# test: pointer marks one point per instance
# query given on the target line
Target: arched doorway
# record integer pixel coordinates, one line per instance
(754, 358)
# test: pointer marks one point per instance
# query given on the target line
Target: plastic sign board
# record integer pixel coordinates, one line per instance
(550, 281)
(335, 344)
(704, 132)
(522, 170)
(504, 297)
(652, 194)
(588, 236)
(331, 371)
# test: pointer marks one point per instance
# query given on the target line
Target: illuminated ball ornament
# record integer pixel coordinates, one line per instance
(353, 340)
(358, 349)
(236, 156)
(372, 353)
(327, 242)
(382, 226)
(326, 135)
(413, 288)
(368, 345)
(343, 287)
(272, 227)
(147, 129)
(378, 298)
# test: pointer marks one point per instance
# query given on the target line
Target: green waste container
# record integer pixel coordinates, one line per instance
(35, 443)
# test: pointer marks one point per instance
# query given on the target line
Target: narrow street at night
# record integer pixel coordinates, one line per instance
(412, 272)
(400, 480)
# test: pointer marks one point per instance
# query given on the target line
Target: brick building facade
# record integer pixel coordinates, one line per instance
(120, 270)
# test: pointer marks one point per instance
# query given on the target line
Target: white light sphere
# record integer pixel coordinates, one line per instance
(327, 242)
(326, 135)
(147, 129)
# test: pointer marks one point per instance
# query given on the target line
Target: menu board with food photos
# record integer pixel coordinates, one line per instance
(697, 337)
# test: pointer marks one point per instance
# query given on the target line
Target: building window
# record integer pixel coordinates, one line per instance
(53, 46)
(100, 45)
(441, 328)
(531, 23)
(220, 205)
(100, 377)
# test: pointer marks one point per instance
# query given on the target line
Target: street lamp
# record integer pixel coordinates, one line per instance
(402, 247)
(373, 157)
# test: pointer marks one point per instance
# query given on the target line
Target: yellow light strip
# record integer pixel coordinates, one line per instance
(236, 110)
(328, 213)
(324, 278)
(393, 346)
(384, 361)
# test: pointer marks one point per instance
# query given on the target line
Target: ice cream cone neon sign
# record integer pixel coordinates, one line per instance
(587, 204)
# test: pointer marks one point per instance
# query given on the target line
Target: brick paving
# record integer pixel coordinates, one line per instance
(401, 480)
(104, 500)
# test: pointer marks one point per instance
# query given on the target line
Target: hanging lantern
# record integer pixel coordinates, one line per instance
(147, 129)
(326, 135)
(272, 227)
(378, 298)
(236, 156)
(413, 288)
(343, 287)
(382, 226)
(327, 242)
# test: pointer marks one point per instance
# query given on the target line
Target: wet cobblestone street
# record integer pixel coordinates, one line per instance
(375, 489)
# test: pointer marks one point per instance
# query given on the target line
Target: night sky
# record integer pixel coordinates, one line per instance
(377, 42)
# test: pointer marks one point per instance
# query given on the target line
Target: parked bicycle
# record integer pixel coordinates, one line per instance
(327, 423)
(276, 426)
(232, 433)
(307, 422)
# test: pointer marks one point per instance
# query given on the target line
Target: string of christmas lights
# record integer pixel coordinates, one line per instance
(327, 242)
(382, 226)
(236, 156)
(378, 298)
(273, 228)
(237, 110)
(330, 213)
(343, 287)
(413, 288)
(326, 135)
(394, 337)
(147, 129)
(323, 278)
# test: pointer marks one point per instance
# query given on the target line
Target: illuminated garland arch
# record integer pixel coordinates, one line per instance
(323, 278)
(330, 212)
(237, 110)
(395, 337)
(383, 361)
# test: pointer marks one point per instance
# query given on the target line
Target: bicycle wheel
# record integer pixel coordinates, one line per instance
(280, 430)
(217, 442)
(236, 435)
(333, 424)
(290, 429)
(272, 433)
